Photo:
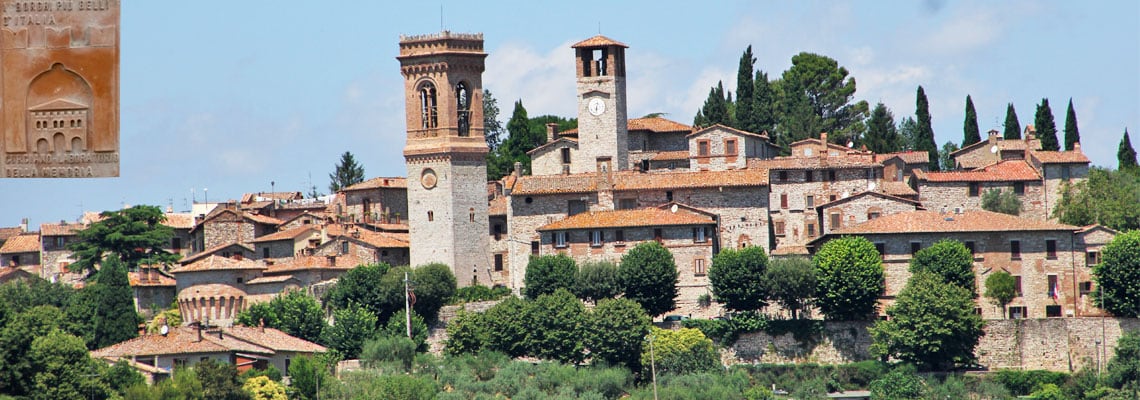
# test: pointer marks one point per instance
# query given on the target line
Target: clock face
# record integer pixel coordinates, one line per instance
(428, 179)
(597, 106)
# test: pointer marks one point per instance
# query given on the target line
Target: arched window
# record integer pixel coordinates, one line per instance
(428, 106)
(463, 107)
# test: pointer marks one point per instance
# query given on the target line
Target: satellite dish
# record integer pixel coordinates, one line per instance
(850, 144)
(673, 208)
(994, 149)
(164, 330)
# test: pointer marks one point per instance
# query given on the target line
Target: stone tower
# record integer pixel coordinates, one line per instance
(446, 152)
(602, 129)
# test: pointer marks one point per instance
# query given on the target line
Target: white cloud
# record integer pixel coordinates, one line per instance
(544, 81)
(963, 32)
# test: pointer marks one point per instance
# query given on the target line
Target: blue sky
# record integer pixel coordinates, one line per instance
(230, 96)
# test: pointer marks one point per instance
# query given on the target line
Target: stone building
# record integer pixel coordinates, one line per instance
(993, 150)
(963, 190)
(365, 245)
(54, 255)
(21, 251)
(1049, 261)
(377, 200)
(213, 288)
(153, 289)
(799, 184)
(181, 223)
(288, 243)
(226, 225)
(719, 148)
(860, 208)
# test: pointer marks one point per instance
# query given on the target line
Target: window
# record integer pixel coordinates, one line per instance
(811, 229)
(699, 235)
(428, 109)
(915, 247)
(778, 226)
(627, 204)
(1017, 285)
(498, 262)
(970, 246)
(238, 280)
(669, 195)
(181, 362)
(534, 247)
(783, 200)
(431, 216)
(1051, 249)
(1018, 312)
(1086, 287)
(973, 190)
(264, 252)
(1052, 311)
(498, 230)
(565, 155)
(1019, 188)
(471, 214)
(344, 247)
(810, 200)
(1014, 250)
(16, 260)
(1054, 290)
(882, 249)
(619, 236)
(703, 148)
(596, 238)
(463, 109)
(835, 220)
(783, 176)
(873, 214)
(730, 147)
(831, 175)
(699, 267)
(560, 239)
(807, 176)
(176, 243)
(657, 235)
(1092, 258)
(832, 197)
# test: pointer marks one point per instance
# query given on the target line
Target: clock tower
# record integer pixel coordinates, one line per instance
(602, 131)
(446, 153)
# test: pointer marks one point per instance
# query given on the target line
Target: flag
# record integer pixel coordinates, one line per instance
(411, 296)
(1056, 292)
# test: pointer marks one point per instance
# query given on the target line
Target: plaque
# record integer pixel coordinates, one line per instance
(59, 88)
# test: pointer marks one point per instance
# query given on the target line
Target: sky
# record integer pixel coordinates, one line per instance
(221, 98)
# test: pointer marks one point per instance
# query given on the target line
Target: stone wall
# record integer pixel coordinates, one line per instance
(839, 343)
(800, 218)
(947, 196)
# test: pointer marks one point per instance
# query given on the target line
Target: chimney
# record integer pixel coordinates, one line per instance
(24, 225)
(518, 169)
(993, 135)
(199, 324)
(823, 138)
(551, 131)
(1076, 147)
(261, 324)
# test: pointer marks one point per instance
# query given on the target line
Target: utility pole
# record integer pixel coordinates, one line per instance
(653, 364)
(407, 307)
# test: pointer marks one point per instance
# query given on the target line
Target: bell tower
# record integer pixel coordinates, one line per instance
(446, 153)
(602, 131)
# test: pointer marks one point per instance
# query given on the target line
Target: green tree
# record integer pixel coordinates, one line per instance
(737, 278)
(492, 127)
(791, 282)
(263, 388)
(945, 160)
(508, 324)
(908, 134)
(352, 326)
(970, 132)
(548, 273)
(136, 235)
(16, 367)
(882, 137)
(61, 367)
(398, 326)
(682, 351)
(949, 260)
(1123, 371)
(931, 324)
(306, 376)
(1001, 288)
(850, 275)
(716, 108)
(558, 327)
(746, 116)
(1118, 276)
(121, 376)
(358, 285)
(389, 349)
(1125, 154)
(520, 139)
(648, 275)
(764, 105)
(1012, 127)
(293, 312)
(467, 334)
(900, 384)
(616, 331)
(925, 130)
(1046, 127)
(1072, 134)
(1107, 197)
(115, 319)
(1005, 202)
(220, 381)
(817, 96)
(346, 173)
(596, 281)
(434, 286)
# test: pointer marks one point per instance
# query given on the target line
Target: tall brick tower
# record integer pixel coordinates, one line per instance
(446, 152)
(602, 131)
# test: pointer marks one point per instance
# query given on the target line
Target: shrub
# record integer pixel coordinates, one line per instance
(389, 349)
(546, 274)
(681, 351)
(850, 278)
(738, 279)
(596, 281)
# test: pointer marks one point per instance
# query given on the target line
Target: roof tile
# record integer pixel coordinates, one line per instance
(1060, 157)
(218, 263)
(936, 222)
(21, 244)
(1004, 171)
(379, 182)
(288, 234)
(640, 217)
(598, 40)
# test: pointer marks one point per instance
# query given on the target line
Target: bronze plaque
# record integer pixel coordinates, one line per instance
(59, 88)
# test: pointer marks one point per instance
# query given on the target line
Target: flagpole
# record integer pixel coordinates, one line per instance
(407, 307)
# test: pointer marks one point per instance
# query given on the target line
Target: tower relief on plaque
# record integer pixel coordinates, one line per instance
(59, 89)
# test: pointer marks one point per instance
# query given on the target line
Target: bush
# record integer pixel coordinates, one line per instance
(558, 327)
(398, 326)
(900, 384)
(351, 328)
(682, 351)
(508, 324)
(597, 280)
(546, 274)
(263, 388)
(389, 349)
(475, 293)
(467, 333)
(849, 272)
(1022, 383)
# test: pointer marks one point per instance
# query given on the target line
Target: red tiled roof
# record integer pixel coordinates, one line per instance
(634, 180)
(375, 239)
(21, 244)
(184, 340)
(179, 220)
(814, 163)
(598, 40)
(671, 155)
(896, 188)
(936, 222)
(1004, 171)
(1060, 157)
(274, 339)
(154, 279)
(218, 263)
(729, 129)
(907, 157)
(270, 279)
(341, 262)
(817, 142)
(864, 194)
(570, 141)
(550, 184)
(6, 233)
(379, 182)
(497, 206)
(61, 229)
(288, 234)
(264, 219)
(656, 124)
(640, 217)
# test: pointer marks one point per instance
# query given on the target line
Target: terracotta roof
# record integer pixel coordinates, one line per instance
(570, 141)
(1093, 227)
(640, 217)
(671, 155)
(817, 142)
(341, 262)
(598, 40)
(371, 238)
(936, 222)
(288, 234)
(865, 194)
(184, 340)
(61, 229)
(261, 219)
(634, 180)
(21, 244)
(814, 163)
(155, 279)
(907, 157)
(202, 254)
(896, 188)
(218, 263)
(730, 129)
(550, 184)
(656, 124)
(401, 227)
(270, 279)
(264, 219)
(379, 182)
(269, 196)
(6, 233)
(1014, 145)
(22, 272)
(1060, 157)
(179, 220)
(1004, 171)
(497, 206)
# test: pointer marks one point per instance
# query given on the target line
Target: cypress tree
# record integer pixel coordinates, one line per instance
(1126, 155)
(764, 103)
(1072, 135)
(1046, 127)
(115, 319)
(1012, 127)
(715, 110)
(745, 100)
(882, 136)
(925, 131)
(971, 134)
